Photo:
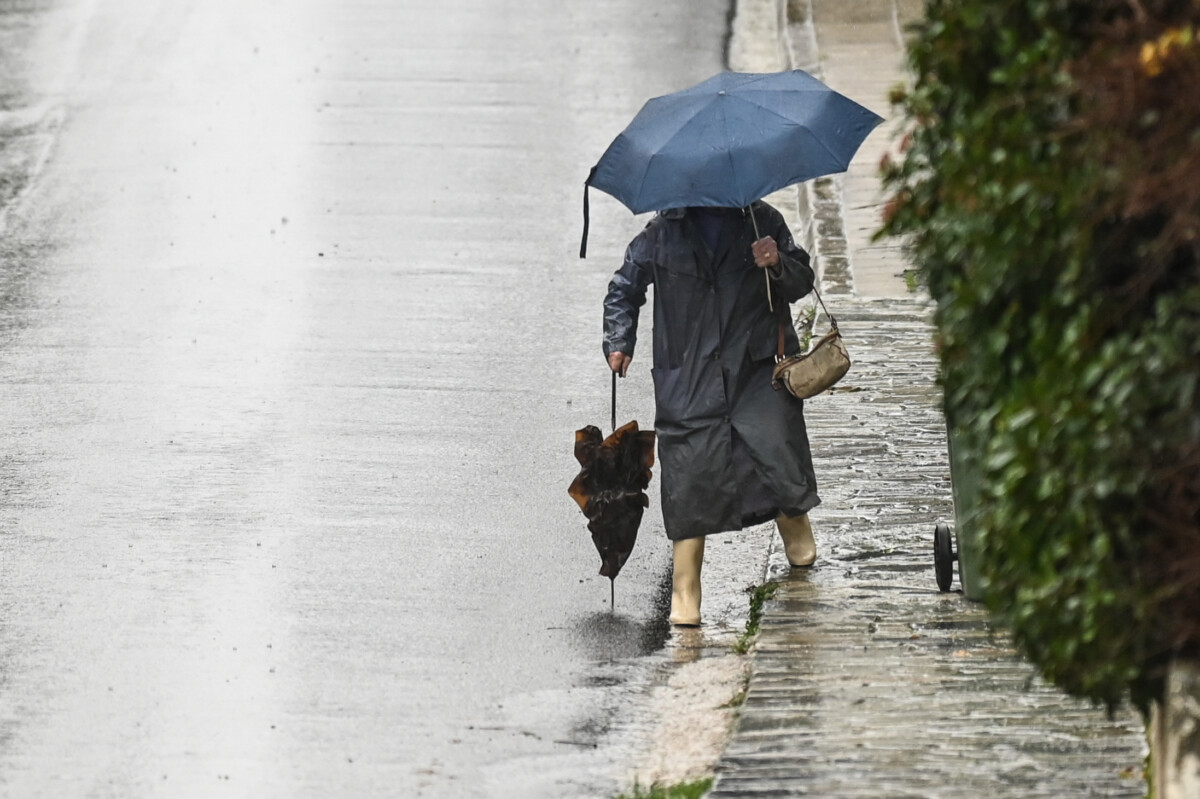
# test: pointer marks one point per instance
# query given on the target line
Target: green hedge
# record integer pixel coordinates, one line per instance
(1063, 259)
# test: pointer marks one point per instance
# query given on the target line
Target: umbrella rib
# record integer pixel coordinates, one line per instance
(645, 174)
(792, 123)
(728, 150)
(749, 98)
(695, 112)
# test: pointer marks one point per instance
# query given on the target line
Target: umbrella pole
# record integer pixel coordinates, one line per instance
(612, 597)
(767, 277)
(614, 402)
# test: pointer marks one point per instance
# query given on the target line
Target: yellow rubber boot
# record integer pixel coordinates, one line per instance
(685, 583)
(797, 535)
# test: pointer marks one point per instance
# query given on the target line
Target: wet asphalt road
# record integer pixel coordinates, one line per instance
(293, 343)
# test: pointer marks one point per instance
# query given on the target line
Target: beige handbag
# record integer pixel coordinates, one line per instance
(818, 369)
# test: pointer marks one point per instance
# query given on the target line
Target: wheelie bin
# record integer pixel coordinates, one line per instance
(961, 543)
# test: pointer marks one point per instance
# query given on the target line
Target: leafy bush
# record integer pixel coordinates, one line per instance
(1050, 194)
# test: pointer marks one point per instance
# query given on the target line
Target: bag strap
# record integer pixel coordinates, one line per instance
(779, 356)
(832, 320)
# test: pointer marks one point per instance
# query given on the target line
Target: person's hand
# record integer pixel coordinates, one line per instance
(619, 362)
(766, 252)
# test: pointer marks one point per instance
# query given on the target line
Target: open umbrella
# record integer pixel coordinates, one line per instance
(611, 488)
(728, 142)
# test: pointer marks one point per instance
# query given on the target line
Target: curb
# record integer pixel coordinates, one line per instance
(821, 200)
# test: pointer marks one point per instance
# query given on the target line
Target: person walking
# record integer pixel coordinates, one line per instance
(734, 451)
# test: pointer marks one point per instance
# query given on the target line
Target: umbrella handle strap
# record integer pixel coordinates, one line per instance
(586, 214)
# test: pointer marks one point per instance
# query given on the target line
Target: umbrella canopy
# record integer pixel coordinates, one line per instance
(730, 141)
(611, 489)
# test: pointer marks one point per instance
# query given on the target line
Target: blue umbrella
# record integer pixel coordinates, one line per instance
(728, 142)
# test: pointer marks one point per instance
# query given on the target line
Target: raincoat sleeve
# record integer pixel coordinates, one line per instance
(626, 296)
(794, 276)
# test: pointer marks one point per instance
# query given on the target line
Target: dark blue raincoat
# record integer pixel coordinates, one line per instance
(734, 451)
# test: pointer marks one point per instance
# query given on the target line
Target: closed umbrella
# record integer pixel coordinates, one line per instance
(611, 488)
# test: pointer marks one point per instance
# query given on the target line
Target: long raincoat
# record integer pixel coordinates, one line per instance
(734, 451)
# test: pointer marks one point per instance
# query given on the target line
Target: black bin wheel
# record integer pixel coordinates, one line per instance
(943, 556)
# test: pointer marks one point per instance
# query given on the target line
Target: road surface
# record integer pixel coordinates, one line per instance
(293, 344)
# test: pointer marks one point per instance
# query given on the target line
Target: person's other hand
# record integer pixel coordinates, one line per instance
(619, 362)
(766, 252)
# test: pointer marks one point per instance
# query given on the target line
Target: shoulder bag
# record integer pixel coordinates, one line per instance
(818, 369)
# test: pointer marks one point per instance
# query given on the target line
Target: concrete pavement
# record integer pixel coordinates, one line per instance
(867, 682)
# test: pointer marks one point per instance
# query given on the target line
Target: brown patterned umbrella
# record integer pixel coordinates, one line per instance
(611, 489)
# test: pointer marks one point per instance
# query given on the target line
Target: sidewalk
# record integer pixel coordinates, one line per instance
(867, 682)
